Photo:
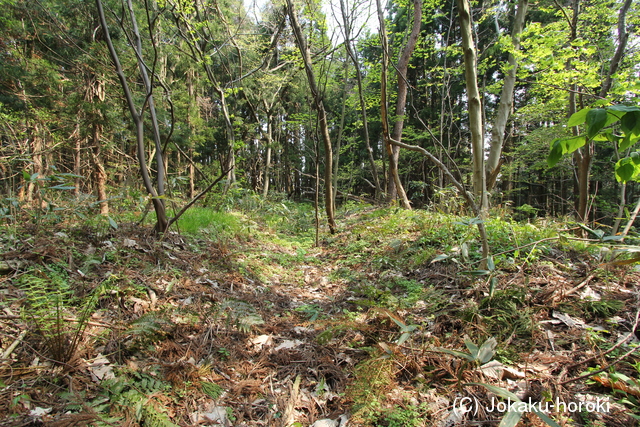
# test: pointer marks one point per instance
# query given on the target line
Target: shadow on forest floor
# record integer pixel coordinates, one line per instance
(121, 328)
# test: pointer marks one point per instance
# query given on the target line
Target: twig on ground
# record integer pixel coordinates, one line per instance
(13, 345)
(618, 344)
(628, 353)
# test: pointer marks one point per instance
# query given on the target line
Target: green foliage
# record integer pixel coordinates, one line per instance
(602, 308)
(132, 396)
(518, 408)
(150, 327)
(598, 124)
(241, 314)
(49, 303)
(403, 417)
(372, 379)
(219, 225)
(483, 354)
(476, 355)
(504, 312)
(212, 390)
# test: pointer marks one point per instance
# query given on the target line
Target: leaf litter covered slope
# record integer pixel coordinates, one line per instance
(267, 330)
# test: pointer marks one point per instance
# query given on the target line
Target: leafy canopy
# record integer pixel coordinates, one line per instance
(618, 124)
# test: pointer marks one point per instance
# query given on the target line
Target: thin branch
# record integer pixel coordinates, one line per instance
(197, 197)
(618, 344)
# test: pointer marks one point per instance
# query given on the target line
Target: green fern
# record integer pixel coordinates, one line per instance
(212, 390)
(241, 314)
(130, 395)
(48, 302)
(150, 327)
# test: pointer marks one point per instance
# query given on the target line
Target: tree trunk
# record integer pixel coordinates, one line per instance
(77, 160)
(394, 185)
(162, 220)
(99, 173)
(336, 157)
(506, 100)
(267, 161)
(363, 105)
(322, 114)
(475, 106)
(401, 101)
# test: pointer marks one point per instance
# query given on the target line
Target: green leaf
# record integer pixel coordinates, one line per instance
(510, 419)
(630, 123)
(473, 349)
(626, 170)
(477, 272)
(487, 350)
(504, 393)
(555, 154)
(490, 263)
(112, 223)
(403, 338)
(456, 353)
(578, 118)
(625, 143)
(623, 108)
(596, 119)
(544, 417)
(439, 258)
(573, 143)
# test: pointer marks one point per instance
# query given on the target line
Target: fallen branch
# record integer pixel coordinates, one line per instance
(580, 286)
(606, 367)
(13, 345)
(618, 344)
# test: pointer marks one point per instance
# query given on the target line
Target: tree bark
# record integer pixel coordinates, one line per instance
(394, 185)
(347, 25)
(475, 106)
(322, 114)
(506, 100)
(162, 220)
(99, 173)
(401, 101)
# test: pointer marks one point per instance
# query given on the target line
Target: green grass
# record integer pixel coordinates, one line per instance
(213, 223)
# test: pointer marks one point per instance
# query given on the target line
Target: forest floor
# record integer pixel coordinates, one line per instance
(387, 323)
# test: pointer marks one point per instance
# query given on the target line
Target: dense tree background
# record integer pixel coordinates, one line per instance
(231, 96)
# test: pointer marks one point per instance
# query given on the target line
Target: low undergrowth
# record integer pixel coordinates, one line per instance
(242, 320)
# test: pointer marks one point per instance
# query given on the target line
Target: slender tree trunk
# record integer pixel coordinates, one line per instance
(394, 185)
(99, 173)
(363, 105)
(33, 188)
(267, 161)
(231, 140)
(623, 38)
(475, 106)
(322, 114)
(336, 157)
(632, 219)
(77, 160)
(506, 100)
(162, 220)
(401, 101)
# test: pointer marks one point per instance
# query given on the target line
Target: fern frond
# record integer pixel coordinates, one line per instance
(242, 314)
